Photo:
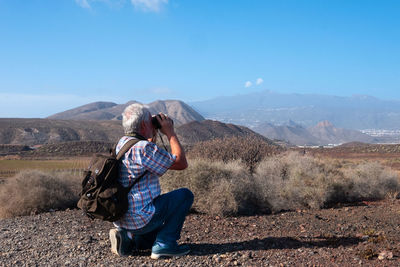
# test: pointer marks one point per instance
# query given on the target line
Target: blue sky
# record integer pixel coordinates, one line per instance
(59, 54)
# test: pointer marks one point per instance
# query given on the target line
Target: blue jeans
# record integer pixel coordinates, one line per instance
(167, 221)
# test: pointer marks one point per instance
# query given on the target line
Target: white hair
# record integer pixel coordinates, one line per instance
(133, 116)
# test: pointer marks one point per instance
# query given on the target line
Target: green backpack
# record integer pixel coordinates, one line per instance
(102, 196)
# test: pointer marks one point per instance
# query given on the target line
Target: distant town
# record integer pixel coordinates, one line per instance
(380, 132)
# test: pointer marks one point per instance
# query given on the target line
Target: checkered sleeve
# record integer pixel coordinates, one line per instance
(157, 160)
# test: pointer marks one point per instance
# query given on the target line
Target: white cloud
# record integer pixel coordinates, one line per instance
(144, 5)
(149, 5)
(248, 84)
(259, 81)
(83, 3)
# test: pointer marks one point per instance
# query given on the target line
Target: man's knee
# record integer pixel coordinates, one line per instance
(186, 195)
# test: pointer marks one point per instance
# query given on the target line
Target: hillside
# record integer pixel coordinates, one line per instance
(44, 131)
(72, 148)
(323, 133)
(180, 112)
(74, 137)
(195, 131)
(92, 111)
(47, 131)
(294, 134)
(101, 123)
(329, 134)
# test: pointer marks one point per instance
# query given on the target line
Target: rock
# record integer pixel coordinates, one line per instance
(218, 259)
(68, 238)
(385, 255)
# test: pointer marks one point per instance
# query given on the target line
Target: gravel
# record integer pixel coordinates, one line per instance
(367, 234)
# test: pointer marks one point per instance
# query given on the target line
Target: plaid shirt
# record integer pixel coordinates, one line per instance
(143, 156)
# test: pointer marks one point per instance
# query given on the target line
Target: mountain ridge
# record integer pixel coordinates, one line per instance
(288, 117)
(32, 132)
(179, 111)
(355, 112)
(196, 131)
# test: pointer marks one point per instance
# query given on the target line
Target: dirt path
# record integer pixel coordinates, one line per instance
(345, 236)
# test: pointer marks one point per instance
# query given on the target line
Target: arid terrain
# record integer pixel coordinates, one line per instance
(387, 154)
(366, 234)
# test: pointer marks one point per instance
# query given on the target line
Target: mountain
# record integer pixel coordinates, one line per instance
(323, 133)
(251, 110)
(328, 134)
(292, 133)
(180, 112)
(196, 131)
(16, 134)
(92, 111)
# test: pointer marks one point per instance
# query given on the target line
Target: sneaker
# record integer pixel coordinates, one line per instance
(121, 244)
(158, 251)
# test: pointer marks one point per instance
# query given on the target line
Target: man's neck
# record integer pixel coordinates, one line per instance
(137, 135)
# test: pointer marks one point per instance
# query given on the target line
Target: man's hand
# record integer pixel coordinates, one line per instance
(167, 128)
(167, 124)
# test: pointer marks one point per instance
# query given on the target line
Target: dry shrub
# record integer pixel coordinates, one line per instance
(35, 191)
(221, 199)
(219, 188)
(249, 150)
(287, 181)
(366, 181)
(292, 181)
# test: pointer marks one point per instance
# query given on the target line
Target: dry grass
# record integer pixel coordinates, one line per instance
(36, 191)
(288, 181)
(10, 167)
(219, 188)
(292, 181)
(368, 181)
(246, 149)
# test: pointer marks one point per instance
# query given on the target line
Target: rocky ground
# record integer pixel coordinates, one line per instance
(367, 234)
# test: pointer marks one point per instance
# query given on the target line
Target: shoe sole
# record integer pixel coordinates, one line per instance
(115, 241)
(156, 256)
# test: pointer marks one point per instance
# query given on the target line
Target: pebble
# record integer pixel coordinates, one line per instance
(75, 241)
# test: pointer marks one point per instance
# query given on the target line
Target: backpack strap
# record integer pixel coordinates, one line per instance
(125, 149)
(128, 145)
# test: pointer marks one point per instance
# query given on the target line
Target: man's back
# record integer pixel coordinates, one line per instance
(147, 159)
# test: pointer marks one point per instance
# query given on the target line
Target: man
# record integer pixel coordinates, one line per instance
(152, 220)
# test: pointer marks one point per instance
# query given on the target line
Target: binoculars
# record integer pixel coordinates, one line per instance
(155, 122)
